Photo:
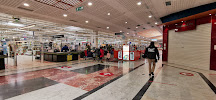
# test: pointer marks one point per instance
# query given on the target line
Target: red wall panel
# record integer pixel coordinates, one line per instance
(165, 44)
(213, 42)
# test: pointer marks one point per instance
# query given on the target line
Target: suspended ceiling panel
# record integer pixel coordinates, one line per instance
(61, 4)
(120, 12)
(176, 5)
(149, 33)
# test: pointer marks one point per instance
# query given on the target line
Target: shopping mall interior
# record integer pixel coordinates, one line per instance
(108, 50)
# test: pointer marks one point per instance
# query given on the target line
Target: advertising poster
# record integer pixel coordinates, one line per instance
(126, 52)
(120, 55)
(131, 55)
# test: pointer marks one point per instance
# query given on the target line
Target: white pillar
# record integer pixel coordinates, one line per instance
(42, 49)
(94, 39)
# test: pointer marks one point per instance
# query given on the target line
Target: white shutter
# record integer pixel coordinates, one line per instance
(190, 48)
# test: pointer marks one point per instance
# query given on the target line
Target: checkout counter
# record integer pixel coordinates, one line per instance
(2, 60)
(60, 56)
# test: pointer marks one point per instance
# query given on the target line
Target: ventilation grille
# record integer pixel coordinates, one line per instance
(61, 4)
(168, 3)
(25, 9)
(73, 20)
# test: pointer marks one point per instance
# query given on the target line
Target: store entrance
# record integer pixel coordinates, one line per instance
(23, 54)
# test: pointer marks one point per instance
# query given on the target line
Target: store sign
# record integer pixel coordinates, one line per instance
(79, 8)
(119, 33)
(186, 26)
(154, 40)
(58, 36)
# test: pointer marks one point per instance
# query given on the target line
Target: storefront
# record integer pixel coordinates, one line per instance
(191, 43)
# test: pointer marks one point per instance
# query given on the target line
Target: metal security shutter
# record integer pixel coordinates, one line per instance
(190, 48)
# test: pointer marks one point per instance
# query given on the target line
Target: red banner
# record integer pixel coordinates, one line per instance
(185, 26)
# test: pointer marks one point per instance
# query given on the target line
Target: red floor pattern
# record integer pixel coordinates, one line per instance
(83, 81)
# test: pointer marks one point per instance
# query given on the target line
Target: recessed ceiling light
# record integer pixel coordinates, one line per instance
(182, 21)
(156, 23)
(87, 21)
(139, 3)
(126, 22)
(127, 33)
(26, 4)
(107, 27)
(90, 4)
(65, 15)
(120, 31)
(210, 14)
(136, 27)
(150, 16)
(139, 36)
(108, 14)
(143, 37)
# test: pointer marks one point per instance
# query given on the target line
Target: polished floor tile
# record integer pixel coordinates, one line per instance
(55, 92)
(88, 80)
(91, 69)
(21, 87)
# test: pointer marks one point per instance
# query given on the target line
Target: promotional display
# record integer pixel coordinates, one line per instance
(119, 54)
(126, 52)
(131, 55)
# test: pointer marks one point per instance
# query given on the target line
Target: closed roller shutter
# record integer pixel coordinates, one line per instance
(190, 48)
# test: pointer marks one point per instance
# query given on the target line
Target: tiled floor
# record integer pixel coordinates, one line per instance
(90, 80)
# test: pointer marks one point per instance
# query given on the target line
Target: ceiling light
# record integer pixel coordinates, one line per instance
(126, 22)
(210, 14)
(136, 27)
(139, 3)
(14, 24)
(127, 33)
(120, 31)
(139, 36)
(176, 24)
(65, 15)
(143, 37)
(107, 27)
(87, 21)
(90, 4)
(25, 4)
(182, 21)
(108, 14)
(26, 27)
(150, 16)
(156, 23)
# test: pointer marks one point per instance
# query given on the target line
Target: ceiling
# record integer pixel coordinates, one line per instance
(121, 11)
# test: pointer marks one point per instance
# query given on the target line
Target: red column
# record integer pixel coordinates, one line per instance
(213, 43)
(165, 44)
